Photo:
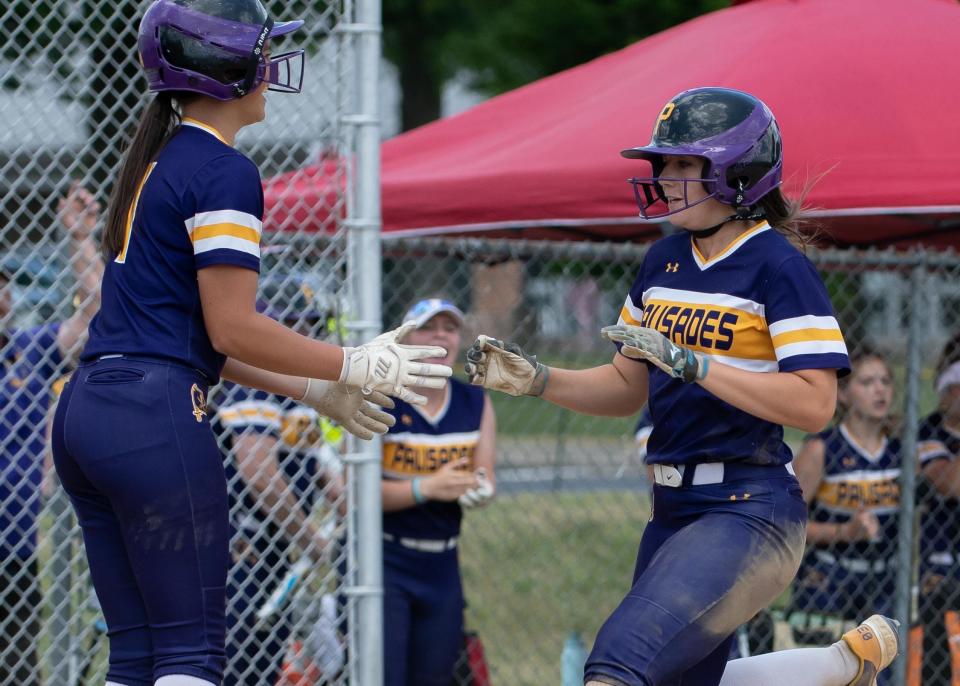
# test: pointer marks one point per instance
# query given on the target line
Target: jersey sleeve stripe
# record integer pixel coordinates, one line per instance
(224, 217)
(249, 413)
(234, 230)
(928, 450)
(805, 322)
(627, 317)
(811, 348)
(806, 335)
(226, 242)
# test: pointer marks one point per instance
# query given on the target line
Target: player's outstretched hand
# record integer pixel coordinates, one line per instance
(642, 343)
(481, 494)
(504, 367)
(387, 366)
(347, 406)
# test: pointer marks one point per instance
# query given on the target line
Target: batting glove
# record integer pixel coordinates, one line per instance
(481, 495)
(642, 343)
(385, 365)
(504, 367)
(349, 408)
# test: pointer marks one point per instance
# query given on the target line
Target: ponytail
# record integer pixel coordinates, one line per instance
(156, 126)
(784, 215)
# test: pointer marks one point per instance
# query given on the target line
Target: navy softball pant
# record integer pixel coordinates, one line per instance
(423, 616)
(134, 450)
(710, 558)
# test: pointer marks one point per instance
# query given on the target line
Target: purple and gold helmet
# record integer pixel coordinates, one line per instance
(732, 131)
(215, 47)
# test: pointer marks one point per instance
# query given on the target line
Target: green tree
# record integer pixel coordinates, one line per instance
(506, 44)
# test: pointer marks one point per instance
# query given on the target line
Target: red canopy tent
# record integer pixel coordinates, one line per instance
(866, 93)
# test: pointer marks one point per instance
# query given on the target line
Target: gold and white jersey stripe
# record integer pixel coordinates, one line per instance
(225, 229)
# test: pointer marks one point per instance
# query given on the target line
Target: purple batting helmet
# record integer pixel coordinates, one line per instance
(215, 47)
(734, 133)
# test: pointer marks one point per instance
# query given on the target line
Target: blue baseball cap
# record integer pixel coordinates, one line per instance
(424, 310)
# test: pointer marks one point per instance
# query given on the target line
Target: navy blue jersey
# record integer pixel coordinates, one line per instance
(32, 360)
(200, 204)
(306, 447)
(940, 530)
(855, 479)
(759, 305)
(418, 445)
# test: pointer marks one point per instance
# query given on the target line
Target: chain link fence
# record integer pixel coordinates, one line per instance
(547, 562)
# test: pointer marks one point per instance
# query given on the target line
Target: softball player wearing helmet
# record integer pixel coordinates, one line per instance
(729, 334)
(437, 460)
(132, 441)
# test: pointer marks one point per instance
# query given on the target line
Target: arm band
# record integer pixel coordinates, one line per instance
(417, 493)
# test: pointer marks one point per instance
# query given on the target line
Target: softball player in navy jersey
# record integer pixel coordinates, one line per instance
(850, 478)
(279, 464)
(132, 441)
(938, 450)
(729, 334)
(437, 460)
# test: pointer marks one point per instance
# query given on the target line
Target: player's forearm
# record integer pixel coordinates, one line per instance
(271, 382)
(396, 495)
(87, 270)
(260, 342)
(791, 399)
(602, 391)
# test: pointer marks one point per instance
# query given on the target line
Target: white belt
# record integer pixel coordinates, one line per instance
(942, 558)
(672, 475)
(706, 473)
(424, 545)
(852, 564)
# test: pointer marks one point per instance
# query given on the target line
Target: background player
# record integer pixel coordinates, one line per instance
(132, 442)
(729, 332)
(850, 478)
(281, 460)
(938, 450)
(436, 459)
(33, 359)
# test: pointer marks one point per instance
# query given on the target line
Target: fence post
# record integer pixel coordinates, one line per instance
(908, 478)
(365, 267)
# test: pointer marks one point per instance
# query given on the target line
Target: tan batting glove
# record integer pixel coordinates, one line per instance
(504, 367)
(385, 365)
(350, 408)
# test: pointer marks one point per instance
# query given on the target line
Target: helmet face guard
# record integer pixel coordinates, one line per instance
(182, 49)
(734, 134)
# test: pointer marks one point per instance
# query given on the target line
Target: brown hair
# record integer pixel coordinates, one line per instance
(156, 126)
(784, 215)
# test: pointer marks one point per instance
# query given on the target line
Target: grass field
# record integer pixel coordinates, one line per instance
(538, 566)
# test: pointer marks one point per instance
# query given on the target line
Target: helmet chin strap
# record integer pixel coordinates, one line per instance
(740, 213)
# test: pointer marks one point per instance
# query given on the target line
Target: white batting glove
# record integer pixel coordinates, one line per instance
(349, 408)
(642, 343)
(504, 367)
(385, 365)
(481, 495)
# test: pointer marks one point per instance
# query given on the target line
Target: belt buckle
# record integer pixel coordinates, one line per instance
(668, 475)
